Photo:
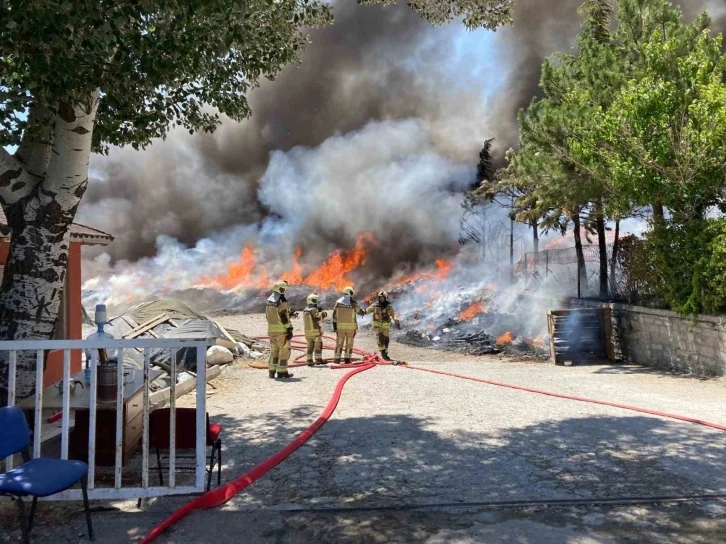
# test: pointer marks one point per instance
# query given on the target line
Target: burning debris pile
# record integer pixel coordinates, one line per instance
(477, 319)
(478, 342)
(456, 303)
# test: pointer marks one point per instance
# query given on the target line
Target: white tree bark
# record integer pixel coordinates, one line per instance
(41, 187)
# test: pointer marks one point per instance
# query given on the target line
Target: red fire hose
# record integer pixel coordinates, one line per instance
(222, 494)
(579, 399)
(363, 357)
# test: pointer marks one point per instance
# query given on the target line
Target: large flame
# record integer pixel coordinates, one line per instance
(472, 311)
(242, 273)
(332, 274)
(425, 281)
(294, 276)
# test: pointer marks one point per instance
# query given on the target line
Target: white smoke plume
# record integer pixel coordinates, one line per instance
(387, 179)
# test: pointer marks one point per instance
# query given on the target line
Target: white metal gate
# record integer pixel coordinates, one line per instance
(117, 491)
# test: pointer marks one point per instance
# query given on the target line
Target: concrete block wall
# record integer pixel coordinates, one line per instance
(667, 340)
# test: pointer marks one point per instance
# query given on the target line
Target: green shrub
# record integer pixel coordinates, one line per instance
(682, 263)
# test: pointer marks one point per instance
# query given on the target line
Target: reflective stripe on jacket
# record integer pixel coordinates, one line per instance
(277, 312)
(383, 315)
(311, 319)
(344, 314)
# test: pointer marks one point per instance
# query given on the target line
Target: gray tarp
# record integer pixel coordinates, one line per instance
(190, 325)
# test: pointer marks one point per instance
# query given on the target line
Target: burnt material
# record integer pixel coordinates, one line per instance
(463, 338)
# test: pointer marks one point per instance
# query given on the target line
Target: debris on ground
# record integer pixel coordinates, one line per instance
(170, 318)
(463, 337)
(219, 355)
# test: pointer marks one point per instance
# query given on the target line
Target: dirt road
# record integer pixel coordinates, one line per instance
(408, 454)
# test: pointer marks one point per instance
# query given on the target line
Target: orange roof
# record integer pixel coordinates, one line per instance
(79, 233)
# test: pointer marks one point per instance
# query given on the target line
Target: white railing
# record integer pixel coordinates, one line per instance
(118, 491)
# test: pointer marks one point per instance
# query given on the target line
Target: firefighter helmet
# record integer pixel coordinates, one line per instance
(313, 298)
(383, 295)
(279, 287)
(349, 291)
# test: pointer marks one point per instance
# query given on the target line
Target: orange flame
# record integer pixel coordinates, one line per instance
(505, 339)
(443, 269)
(332, 273)
(242, 273)
(294, 276)
(472, 311)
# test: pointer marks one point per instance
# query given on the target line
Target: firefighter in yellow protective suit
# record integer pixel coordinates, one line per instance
(345, 324)
(279, 329)
(312, 315)
(383, 316)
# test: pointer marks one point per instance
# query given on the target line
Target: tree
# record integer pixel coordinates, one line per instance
(474, 225)
(579, 129)
(484, 170)
(598, 15)
(77, 77)
(665, 139)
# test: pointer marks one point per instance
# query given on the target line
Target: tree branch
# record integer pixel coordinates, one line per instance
(14, 178)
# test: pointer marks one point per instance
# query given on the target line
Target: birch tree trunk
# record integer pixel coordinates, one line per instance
(41, 187)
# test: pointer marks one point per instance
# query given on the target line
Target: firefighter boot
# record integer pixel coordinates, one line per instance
(273, 366)
(320, 362)
(384, 355)
(348, 361)
(284, 375)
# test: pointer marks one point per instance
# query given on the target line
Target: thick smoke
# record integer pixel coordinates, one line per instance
(374, 63)
(305, 167)
(386, 178)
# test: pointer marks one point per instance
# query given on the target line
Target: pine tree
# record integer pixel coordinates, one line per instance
(598, 14)
(484, 168)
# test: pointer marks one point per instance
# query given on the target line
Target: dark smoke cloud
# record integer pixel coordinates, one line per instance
(375, 63)
(540, 28)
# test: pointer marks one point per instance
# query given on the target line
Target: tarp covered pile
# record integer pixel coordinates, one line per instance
(169, 318)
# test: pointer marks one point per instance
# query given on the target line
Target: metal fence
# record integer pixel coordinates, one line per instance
(557, 270)
(118, 491)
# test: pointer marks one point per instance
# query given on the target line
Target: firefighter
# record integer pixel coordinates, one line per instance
(345, 324)
(279, 329)
(383, 316)
(312, 315)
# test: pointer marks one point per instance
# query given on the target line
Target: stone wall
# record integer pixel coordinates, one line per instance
(664, 339)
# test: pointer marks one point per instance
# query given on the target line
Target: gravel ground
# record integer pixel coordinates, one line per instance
(402, 437)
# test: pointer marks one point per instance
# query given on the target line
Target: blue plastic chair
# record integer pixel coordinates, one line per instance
(37, 477)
